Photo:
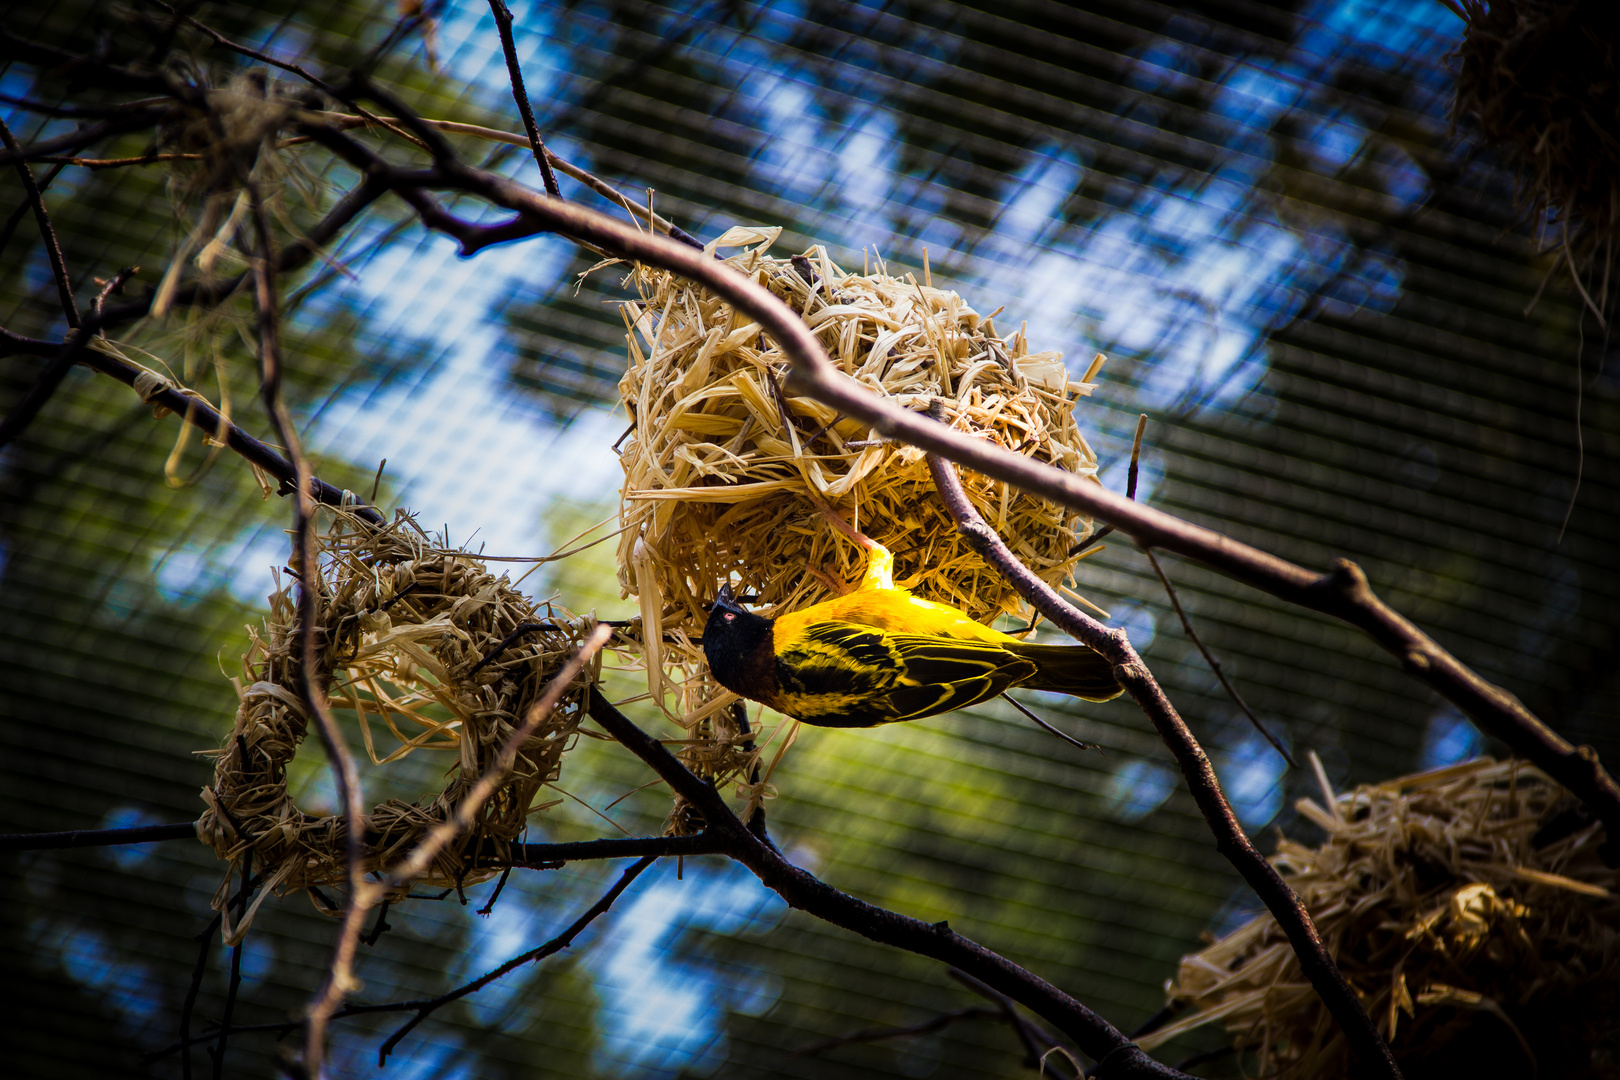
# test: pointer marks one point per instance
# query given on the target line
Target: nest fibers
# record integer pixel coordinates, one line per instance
(403, 621)
(1469, 909)
(726, 475)
(1542, 80)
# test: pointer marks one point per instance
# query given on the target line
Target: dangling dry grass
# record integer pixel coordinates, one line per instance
(403, 621)
(1469, 909)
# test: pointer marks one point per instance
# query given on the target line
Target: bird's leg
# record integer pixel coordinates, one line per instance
(879, 562)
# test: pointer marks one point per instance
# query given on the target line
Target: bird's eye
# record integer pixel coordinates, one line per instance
(729, 616)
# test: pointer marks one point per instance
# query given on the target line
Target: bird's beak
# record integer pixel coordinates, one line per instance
(725, 596)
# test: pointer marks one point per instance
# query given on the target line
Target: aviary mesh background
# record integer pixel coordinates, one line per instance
(1317, 291)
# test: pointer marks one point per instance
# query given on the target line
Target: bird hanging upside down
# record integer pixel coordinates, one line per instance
(880, 655)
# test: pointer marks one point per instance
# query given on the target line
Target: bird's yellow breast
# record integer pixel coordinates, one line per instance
(890, 609)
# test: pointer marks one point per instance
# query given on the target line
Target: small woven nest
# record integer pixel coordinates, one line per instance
(1541, 78)
(402, 623)
(727, 477)
(1470, 911)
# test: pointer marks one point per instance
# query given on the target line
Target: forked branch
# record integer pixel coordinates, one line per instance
(1230, 839)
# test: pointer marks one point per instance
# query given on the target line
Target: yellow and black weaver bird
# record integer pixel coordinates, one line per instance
(879, 655)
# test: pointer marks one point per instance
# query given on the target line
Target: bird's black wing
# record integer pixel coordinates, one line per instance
(839, 674)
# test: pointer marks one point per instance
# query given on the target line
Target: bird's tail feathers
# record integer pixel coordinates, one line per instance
(1070, 669)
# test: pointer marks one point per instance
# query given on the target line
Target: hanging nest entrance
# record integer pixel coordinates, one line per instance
(403, 622)
(727, 476)
(1469, 910)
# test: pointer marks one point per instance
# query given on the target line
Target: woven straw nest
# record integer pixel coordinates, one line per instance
(1541, 78)
(403, 621)
(727, 477)
(1469, 909)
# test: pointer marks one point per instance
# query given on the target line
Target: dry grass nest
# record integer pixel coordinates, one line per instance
(727, 477)
(403, 621)
(1469, 909)
(1540, 78)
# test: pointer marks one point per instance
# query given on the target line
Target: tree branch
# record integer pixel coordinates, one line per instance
(340, 977)
(503, 24)
(529, 856)
(83, 838)
(1230, 839)
(1094, 1035)
(50, 379)
(1342, 593)
(426, 1008)
(47, 232)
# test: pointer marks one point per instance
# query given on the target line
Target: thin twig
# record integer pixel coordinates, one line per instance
(1284, 904)
(235, 983)
(1130, 487)
(1070, 739)
(205, 945)
(567, 168)
(900, 1031)
(1214, 664)
(1036, 1040)
(378, 928)
(424, 1009)
(9, 229)
(74, 141)
(96, 164)
(82, 838)
(1580, 437)
(500, 887)
(466, 814)
(340, 976)
(503, 23)
(48, 380)
(111, 286)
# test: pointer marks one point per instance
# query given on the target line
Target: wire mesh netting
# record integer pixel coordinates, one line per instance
(1323, 298)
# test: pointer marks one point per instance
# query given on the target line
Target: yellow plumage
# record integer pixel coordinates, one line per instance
(879, 655)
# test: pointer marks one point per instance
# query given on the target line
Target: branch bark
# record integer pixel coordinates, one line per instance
(1285, 906)
(1343, 592)
(1117, 1056)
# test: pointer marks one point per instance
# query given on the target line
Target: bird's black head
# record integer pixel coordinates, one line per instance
(738, 646)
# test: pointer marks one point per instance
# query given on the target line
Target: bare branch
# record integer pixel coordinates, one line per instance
(1230, 839)
(1101, 531)
(50, 378)
(83, 838)
(47, 232)
(114, 163)
(235, 983)
(900, 1031)
(340, 978)
(503, 23)
(567, 168)
(1342, 593)
(466, 815)
(1094, 1035)
(424, 1009)
(1214, 664)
